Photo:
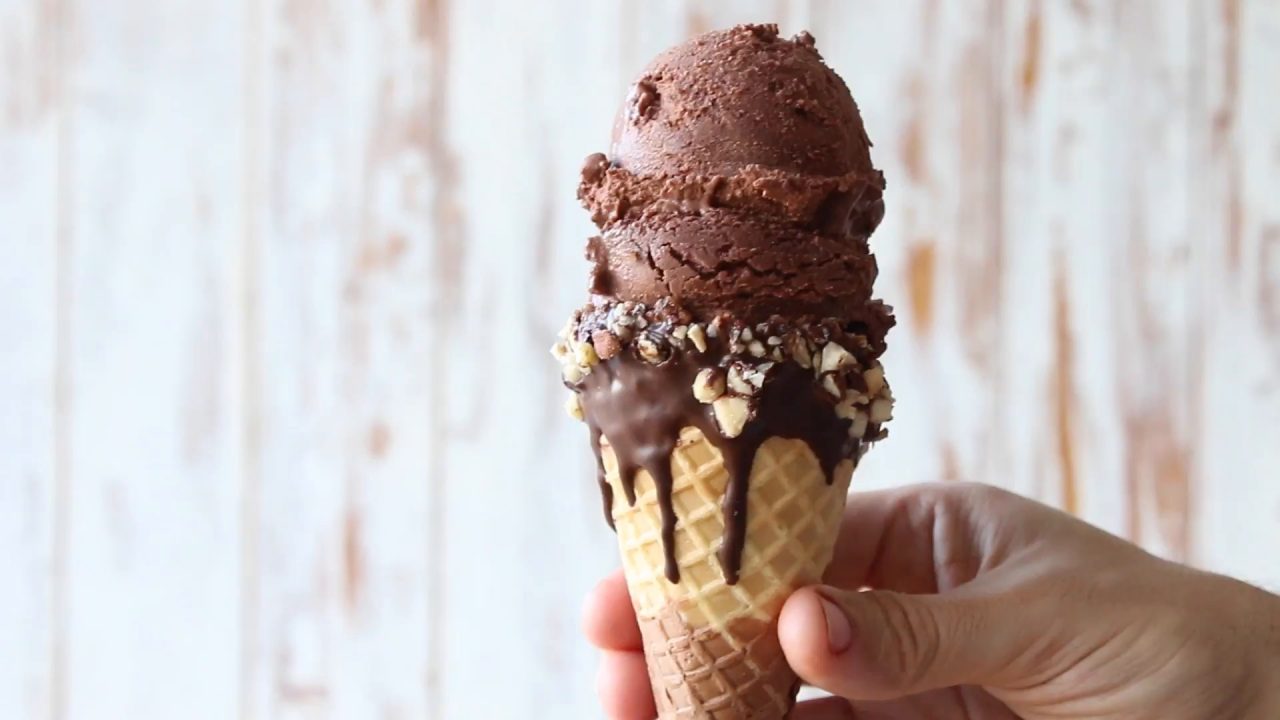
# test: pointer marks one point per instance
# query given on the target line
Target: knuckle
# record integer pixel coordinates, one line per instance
(913, 643)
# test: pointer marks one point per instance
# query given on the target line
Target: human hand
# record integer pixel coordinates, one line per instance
(988, 606)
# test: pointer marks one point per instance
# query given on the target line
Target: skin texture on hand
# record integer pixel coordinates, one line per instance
(963, 601)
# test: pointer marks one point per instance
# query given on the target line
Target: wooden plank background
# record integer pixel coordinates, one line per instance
(278, 435)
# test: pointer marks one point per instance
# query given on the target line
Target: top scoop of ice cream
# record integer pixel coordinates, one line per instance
(740, 182)
(738, 97)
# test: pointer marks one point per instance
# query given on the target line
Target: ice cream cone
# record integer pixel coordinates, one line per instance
(712, 647)
(727, 359)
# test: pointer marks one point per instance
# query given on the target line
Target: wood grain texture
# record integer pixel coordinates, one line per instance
(1235, 177)
(151, 221)
(1103, 296)
(31, 119)
(342, 349)
(509, 518)
(279, 277)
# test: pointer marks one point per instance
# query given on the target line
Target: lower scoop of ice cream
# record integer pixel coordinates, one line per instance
(723, 262)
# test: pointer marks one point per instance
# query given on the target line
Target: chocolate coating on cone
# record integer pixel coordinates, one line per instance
(641, 409)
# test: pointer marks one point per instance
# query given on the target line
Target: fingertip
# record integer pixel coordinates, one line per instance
(803, 634)
(608, 619)
(623, 685)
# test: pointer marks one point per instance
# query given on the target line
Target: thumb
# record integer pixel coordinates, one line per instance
(878, 645)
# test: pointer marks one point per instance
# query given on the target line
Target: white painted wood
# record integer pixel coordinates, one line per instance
(524, 535)
(30, 118)
(343, 267)
(1058, 118)
(1236, 182)
(152, 220)
(1096, 203)
(293, 266)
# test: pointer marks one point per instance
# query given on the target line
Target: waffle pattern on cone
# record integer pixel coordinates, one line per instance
(705, 673)
(712, 648)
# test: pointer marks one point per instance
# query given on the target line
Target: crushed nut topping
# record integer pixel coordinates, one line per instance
(843, 363)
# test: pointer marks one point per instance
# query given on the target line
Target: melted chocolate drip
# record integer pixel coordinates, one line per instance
(606, 490)
(641, 408)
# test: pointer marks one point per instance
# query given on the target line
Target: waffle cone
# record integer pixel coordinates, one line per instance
(712, 648)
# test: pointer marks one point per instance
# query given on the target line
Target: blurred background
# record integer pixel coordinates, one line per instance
(279, 434)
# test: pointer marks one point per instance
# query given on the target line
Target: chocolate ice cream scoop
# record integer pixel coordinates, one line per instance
(738, 97)
(740, 182)
(753, 268)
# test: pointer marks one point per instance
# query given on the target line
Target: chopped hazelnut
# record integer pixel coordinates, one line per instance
(830, 385)
(848, 405)
(649, 350)
(859, 427)
(708, 386)
(572, 374)
(846, 410)
(585, 354)
(835, 357)
(738, 380)
(881, 410)
(698, 337)
(875, 379)
(731, 414)
(606, 344)
(573, 406)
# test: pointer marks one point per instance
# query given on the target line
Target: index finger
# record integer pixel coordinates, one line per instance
(608, 618)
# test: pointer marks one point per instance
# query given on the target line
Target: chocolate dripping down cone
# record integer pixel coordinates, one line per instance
(711, 647)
